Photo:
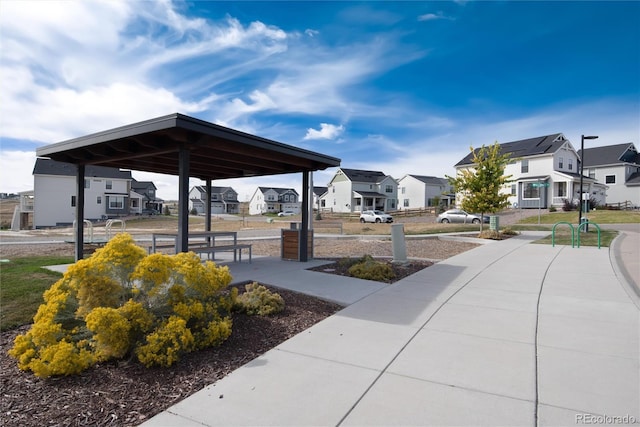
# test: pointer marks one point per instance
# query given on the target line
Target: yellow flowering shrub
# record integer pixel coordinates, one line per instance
(121, 302)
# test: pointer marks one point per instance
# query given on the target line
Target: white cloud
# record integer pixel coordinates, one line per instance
(16, 171)
(327, 131)
(433, 17)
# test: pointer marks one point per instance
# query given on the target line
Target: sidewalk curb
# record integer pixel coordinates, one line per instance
(621, 272)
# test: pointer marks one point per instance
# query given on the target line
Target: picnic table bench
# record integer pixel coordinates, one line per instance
(205, 242)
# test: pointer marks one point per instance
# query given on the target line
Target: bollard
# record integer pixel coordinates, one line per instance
(398, 243)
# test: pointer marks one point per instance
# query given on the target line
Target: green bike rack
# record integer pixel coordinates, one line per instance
(553, 233)
(588, 223)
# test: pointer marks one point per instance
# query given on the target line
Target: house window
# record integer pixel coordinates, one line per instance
(592, 173)
(87, 183)
(333, 189)
(370, 186)
(388, 189)
(73, 201)
(610, 179)
(358, 202)
(524, 166)
(513, 189)
(561, 190)
(530, 192)
(406, 202)
(403, 189)
(393, 203)
(99, 200)
(560, 162)
(322, 203)
(570, 164)
(109, 185)
(116, 202)
(271, 197)
(214, 197)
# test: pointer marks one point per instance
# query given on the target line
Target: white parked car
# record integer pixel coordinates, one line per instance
(286, 213)
(375, 216)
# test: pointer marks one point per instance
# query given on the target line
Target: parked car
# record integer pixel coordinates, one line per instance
(375, 216)
(460, 216)
(149, 211)
(286, 213)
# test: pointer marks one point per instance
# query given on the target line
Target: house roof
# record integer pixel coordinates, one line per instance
(358, 175)
(634, 179)
(370, 194)
(610, 155)
(277, 190)
(319, 191)
(142, 185)
(52, 167)
(432, 180)
(546, 144)
(215, 152)
(214, 190)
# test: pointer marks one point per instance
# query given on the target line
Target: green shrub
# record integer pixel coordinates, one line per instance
(508, 231)
(369, 269)
(259, 300)
(122, 302)
(552, 209)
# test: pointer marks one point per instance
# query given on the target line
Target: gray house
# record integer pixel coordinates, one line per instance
(618, 167)
(224, 200)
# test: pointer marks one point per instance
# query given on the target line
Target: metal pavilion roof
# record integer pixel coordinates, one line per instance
(215, 152)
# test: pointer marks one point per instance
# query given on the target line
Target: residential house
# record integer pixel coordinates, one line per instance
(143, 196)
(106, 193)
(318, 192)
(618, 167)
(544, 172)
(354, 190)
(274, 200)
(224, 200)
(419, 191)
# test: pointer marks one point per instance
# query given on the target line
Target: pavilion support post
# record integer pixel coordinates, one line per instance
(182, 242)
(207, 208)
(80, 172)
(303, 254)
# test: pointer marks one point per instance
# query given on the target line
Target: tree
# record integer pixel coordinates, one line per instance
(480, 184)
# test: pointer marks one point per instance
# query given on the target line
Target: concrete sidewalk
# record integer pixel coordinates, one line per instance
(510, 333)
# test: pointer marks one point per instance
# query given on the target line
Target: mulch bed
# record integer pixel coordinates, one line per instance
(401, 270)
(125, 393)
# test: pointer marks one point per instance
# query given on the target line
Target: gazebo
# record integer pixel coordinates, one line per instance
(181, 145)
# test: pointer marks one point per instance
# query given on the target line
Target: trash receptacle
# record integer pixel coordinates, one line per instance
(584, 220)
(494, 222)
(290, 243)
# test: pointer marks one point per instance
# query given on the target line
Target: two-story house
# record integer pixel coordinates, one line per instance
(618, 167)
(355, 190)
(419, 191)
(106, 193)
(224, 200)
(143, 196)
(544, 172)
(318, 192)
(274, 200)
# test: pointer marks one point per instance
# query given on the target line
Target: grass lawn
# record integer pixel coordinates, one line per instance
(563, 237)
(23, 282)
(597, 216)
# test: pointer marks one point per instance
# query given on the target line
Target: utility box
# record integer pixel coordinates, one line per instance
(290, 243)
(494, 222)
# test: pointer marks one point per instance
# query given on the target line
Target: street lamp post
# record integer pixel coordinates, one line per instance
(582, 174)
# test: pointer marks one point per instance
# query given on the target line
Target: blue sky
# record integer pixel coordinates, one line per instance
(399, 87)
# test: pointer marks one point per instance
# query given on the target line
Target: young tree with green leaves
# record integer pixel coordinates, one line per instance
(480, 184)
